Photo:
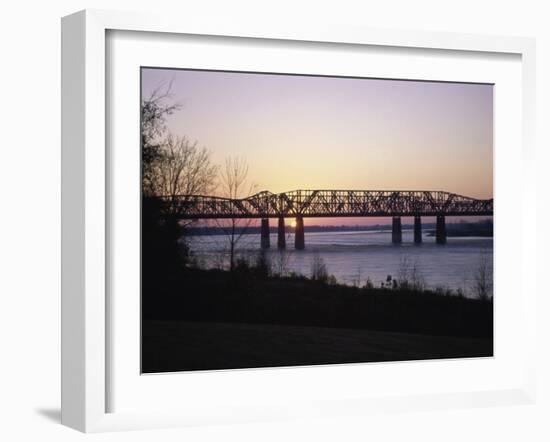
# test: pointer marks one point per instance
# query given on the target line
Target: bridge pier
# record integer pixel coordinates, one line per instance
(281, 234)
(396, 230)
(440, 230)
(417, 229)
(264, 232)
(299, 239)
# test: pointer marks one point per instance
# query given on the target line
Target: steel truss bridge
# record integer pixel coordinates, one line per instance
(330, 203)
(301, 204)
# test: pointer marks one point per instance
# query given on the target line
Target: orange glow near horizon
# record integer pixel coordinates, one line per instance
(300, 132)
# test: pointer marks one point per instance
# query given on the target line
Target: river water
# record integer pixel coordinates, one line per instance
(354, 257)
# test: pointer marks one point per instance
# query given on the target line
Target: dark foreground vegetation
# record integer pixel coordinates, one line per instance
(221, 296)
(209, 319)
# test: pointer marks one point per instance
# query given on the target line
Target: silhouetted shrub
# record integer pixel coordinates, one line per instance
(319, 270)
(262, 267)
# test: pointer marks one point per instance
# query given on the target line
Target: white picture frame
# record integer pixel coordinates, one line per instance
(85, 202)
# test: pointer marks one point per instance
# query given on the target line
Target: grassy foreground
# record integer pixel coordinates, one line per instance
(212, 319)
(180, 345)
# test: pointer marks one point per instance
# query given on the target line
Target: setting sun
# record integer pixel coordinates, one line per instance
(293, 224)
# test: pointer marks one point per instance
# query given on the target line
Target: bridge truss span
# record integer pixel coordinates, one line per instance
(330, 203)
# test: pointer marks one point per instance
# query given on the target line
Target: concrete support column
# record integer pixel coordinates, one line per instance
(281, 234)
(299, 239)
(440, 230)
(396, 230)
(417, 230)
(265, 233)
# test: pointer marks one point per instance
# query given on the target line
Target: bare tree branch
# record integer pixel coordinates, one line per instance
(234, 184)
(181, 169)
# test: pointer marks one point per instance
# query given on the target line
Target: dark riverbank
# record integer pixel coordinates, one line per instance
(483, 229)
(234, 310)
(246, 297)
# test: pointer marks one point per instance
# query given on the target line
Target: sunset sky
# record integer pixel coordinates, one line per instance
(303, 132)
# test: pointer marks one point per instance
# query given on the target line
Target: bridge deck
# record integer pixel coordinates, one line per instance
(329, 203)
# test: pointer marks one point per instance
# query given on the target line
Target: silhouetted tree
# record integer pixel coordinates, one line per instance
(319, 270)
(234, 184)
(262, 266)
(180, 169)
(154, 111)
(482, 279)
(409, 275)
(281, 263)
(172, 168)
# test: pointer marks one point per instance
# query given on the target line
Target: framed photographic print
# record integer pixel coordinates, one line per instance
(267, 223)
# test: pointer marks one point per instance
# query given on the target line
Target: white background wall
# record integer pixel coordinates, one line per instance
(30, 215)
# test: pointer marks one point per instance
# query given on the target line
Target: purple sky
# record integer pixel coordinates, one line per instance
(302, 132)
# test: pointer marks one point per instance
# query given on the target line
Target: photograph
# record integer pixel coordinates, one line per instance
(292, 219)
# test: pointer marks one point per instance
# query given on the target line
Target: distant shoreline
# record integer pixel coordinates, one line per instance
(460, 229)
